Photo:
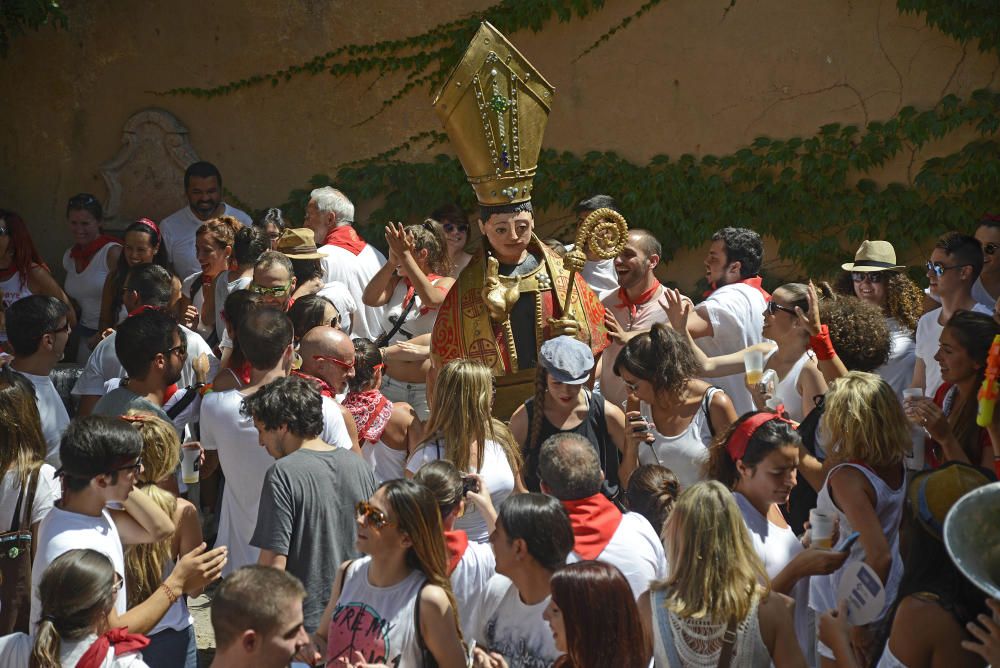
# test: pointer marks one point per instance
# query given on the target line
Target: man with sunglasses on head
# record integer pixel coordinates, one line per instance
(38, 328)
(147, 287)
(301, 527)
(953, 268)
(152, 350)
(101, 510)
(231, 440)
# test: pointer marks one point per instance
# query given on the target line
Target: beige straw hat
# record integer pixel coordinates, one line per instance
(873, 256)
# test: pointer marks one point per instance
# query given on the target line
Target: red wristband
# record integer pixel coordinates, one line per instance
(822, 345)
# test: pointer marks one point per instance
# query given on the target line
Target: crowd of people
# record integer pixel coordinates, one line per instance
(262, 405)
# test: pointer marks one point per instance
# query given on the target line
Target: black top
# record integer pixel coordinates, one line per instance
(522, 316)
(594, 429)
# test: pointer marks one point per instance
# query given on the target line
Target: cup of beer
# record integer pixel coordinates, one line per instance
(821, 525)
(753, 362)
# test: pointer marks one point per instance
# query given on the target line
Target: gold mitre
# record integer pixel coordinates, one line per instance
(494, 108)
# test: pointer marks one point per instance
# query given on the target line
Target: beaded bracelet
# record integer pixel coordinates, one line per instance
(170, 594)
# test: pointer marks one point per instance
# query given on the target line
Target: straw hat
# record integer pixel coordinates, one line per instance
(298, 243)
(873, 256)
(933, 493)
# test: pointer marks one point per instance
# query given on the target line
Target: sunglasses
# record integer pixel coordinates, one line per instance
(331, 358)
(276, 291)
(990, 248)
(450, 228)
(180, 351)
(136, 466)
(773, 307)
(371, 515)
(874, 277)
(939, 268)
(64, 328)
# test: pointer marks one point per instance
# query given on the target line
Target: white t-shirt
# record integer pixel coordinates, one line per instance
(62, 531)
(338, 293)
(636, 551)
(898, 369)
(356, 271)
(777, 546)
(15, 650)
(179, 230)
(245, 462)
(495, 472)
(647, 315)
(601, 276)
(736, 312)
(469, 581)
(928, 341)
(47, 492)
(87, 286)
(514, 630)
(52, 410)
(103, 364)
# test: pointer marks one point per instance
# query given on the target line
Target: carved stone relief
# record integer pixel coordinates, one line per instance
(146, 178)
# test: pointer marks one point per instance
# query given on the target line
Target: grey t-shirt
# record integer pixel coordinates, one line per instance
(307, 514)
(121, 400)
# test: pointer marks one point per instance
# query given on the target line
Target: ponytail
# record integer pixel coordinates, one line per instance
(48, 646)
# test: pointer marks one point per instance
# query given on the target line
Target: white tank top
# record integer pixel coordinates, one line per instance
(11, 290)
(686, 453)
(786, 391)
(386, 463)
(697, 643)
(889, 510)
(87, 286)
(418, 321)
(777, 546)
(376, 621)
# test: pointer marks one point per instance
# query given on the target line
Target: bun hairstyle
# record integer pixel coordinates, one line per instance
(366, 357)
(764, 440)
(445, 483)
(221, 230)
(652, 491)
(661, 356)
(429, 236)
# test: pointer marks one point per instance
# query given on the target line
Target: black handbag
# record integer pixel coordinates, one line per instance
(15, 564)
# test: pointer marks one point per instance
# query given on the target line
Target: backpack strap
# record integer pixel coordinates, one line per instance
(185, 401)
(706, 405)
(27, 490)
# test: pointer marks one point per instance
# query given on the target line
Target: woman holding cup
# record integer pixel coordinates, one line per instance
(797, 379)
(863, 486)
(758, 459)
(950, 418)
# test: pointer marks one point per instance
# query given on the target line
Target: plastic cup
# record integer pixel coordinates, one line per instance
(914, 458)
(821, 525)
(753, 362)
(189, 463)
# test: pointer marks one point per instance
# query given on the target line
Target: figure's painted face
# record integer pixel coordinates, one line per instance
(509, 234)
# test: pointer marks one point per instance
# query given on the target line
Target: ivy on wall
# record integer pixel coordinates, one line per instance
(964, 20)
(17, 16)
(808, 193)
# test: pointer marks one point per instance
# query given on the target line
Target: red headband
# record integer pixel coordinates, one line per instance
(736, 446)
(148, 223)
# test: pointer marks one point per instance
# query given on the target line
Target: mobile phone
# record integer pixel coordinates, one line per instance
(469, 484)
(846, 547)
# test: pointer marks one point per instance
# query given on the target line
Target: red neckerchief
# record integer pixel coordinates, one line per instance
(123, 641)
(206, 279)
(324, 389)
(85, 254)
(594, 520)
(243, 373)
(140, 309)
(170, 391)
(345, 237)
(411, 292)
(456, 542)
(633, 306)
(754, 282)
(371, 411)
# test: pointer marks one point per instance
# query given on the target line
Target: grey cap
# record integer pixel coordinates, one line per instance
(568, 360)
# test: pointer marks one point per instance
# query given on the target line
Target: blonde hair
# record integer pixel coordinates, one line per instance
(161, 451)
(864, 421)
(461, 415)
(714, 570)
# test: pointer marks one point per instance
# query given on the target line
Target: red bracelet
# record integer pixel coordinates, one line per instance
(822, 345)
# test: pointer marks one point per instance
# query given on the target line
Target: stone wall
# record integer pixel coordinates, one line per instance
(687, 77)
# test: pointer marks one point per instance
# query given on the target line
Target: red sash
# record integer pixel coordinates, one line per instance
(642, 299)
(123, 641)
(594, 520)
(345, 237)
(754, 282)
(84, 254)
(456, 542)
